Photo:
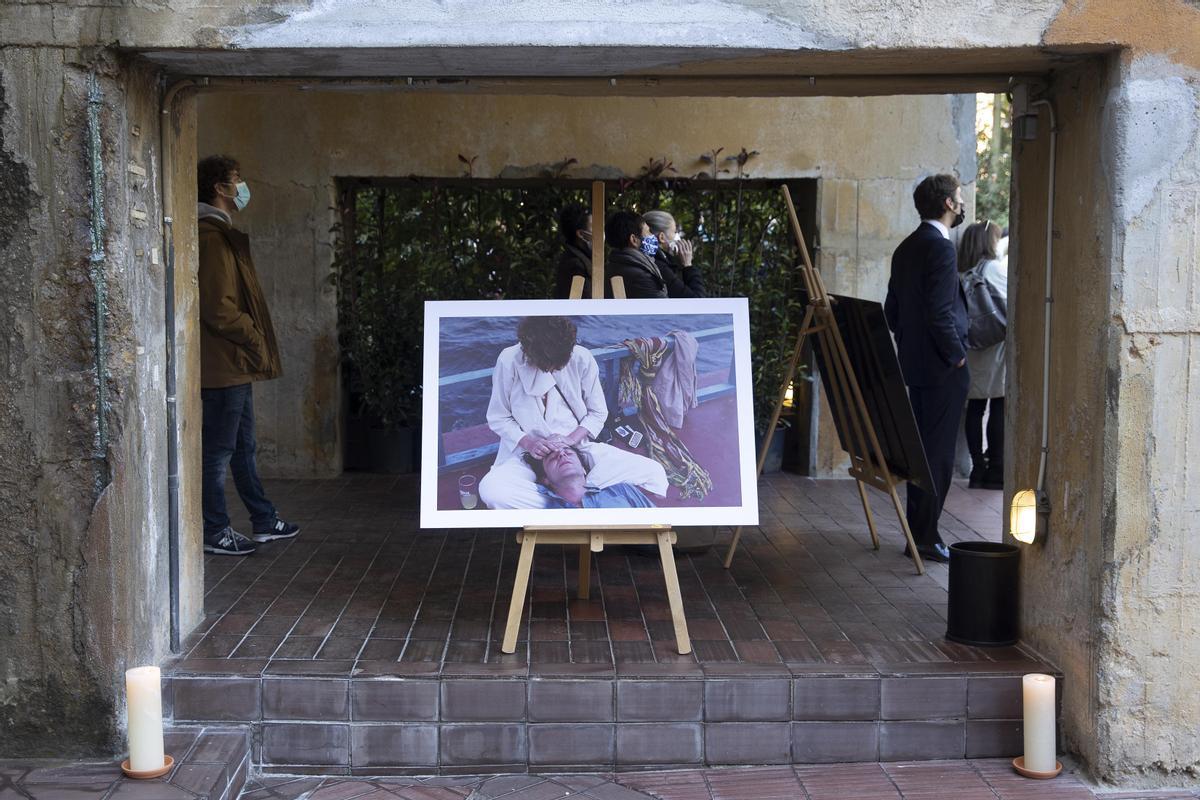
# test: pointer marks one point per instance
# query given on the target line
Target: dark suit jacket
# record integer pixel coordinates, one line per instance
(926, 309)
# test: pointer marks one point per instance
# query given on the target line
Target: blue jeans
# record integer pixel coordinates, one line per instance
(227, 437)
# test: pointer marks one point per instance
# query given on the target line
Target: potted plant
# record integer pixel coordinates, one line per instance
(381, 352)
(774, 323)
(380, 326)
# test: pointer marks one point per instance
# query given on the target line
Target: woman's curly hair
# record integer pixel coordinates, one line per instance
(547, 342)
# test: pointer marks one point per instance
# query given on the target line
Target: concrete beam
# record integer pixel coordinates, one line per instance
(640, 86)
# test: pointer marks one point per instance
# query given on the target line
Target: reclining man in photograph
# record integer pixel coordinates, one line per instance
(563, 478)
(546, 397)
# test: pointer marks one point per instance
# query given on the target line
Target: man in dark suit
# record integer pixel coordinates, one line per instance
(927, 313)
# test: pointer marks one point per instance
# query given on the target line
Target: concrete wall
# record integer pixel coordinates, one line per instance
(83, 577)
(1111, 595)
(1060, 578)
(294, 145)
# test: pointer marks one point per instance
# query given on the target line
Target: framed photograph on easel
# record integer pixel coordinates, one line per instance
(587, 413)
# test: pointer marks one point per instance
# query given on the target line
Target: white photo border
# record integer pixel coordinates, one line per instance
(744, 514)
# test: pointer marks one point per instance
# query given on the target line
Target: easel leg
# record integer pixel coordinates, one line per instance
(912, 546)
(770, 434)
(737, 535)
(682, 641)
(520, 589)
(862, 495)
(585, 570)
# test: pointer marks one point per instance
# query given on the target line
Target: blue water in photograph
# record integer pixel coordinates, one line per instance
(468, 344)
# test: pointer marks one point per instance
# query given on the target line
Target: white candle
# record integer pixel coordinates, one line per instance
(1038, 691)
(143, 691)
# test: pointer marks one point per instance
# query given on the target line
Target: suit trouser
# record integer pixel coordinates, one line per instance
(938, 411)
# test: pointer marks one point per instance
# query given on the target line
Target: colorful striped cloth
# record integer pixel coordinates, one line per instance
(637, 387)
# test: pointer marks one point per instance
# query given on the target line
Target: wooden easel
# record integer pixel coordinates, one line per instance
(593, 540)
(867, 464)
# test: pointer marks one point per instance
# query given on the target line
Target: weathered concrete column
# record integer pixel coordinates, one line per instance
(83, 529)
(1113, 594)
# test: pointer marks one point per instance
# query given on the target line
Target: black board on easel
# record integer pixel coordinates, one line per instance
(869, 346)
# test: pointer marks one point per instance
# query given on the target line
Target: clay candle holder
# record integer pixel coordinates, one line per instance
(142, 775)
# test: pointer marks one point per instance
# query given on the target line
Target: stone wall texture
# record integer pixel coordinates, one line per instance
(1110, 596)
(83, 578)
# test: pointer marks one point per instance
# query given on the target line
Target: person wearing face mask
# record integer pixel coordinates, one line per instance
(927, 313)
(631, 256)
(237, 348)
(674, 257)
(575, 226)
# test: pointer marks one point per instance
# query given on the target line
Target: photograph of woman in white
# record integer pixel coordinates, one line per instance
(547, 398)
(596, 412)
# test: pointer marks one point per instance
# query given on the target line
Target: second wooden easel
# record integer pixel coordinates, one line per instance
(868, 466)
(593, 540)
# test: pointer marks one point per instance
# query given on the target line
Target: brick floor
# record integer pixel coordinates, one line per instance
(363, 585)
(210, 764)
(991, 779)
(948, 780)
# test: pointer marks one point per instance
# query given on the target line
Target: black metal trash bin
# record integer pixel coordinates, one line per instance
(983, 607)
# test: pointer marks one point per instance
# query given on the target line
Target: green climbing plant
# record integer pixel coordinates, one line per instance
(403, 242)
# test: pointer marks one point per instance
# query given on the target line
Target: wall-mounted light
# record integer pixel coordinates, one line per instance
(789, 395)
(1028, 516)
(1023, 519)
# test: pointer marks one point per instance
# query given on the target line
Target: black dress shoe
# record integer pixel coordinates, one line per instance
(978, 471)
(993, 477)
(932, 552)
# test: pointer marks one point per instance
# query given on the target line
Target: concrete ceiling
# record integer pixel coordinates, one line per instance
(639, 70)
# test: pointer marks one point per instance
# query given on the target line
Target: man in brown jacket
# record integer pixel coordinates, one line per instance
(237, 347)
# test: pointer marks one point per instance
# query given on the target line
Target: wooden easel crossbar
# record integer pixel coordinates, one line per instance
(590, 540)
(868, 466)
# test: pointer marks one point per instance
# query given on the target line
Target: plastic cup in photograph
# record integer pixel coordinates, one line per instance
(467, 493)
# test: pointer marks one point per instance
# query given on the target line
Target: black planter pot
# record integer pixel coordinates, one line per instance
(356, 444)
(774, 462)
(984, 604)
(394, 451)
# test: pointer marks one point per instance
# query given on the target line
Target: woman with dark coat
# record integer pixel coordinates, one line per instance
(575, 226)
(674, 257)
